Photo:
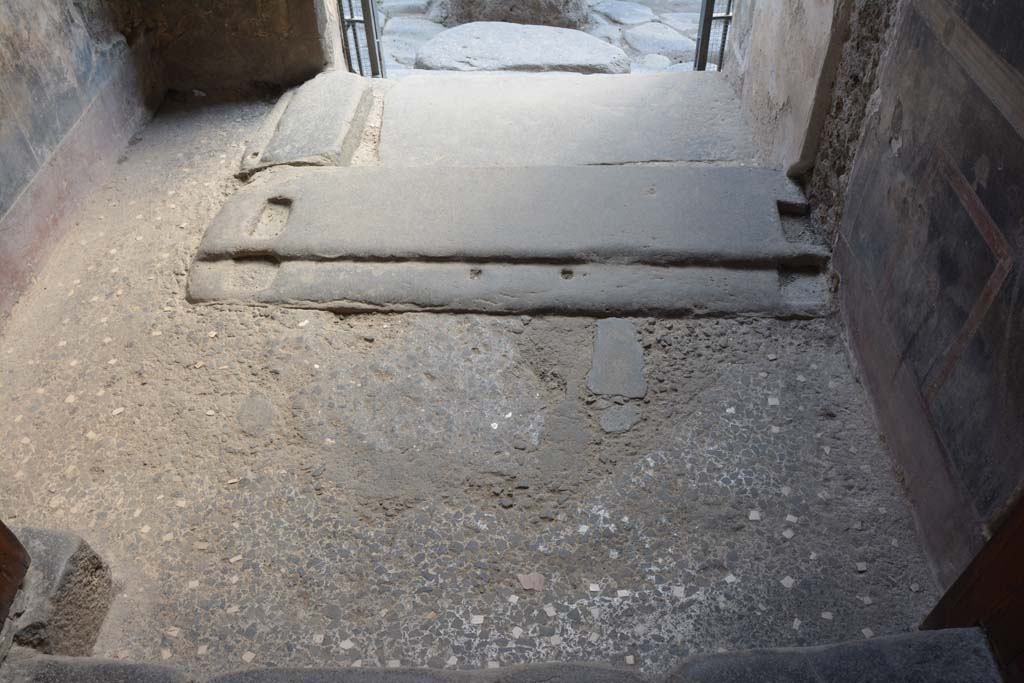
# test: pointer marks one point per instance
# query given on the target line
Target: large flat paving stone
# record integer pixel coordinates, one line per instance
(658, 38)
(622, 12)
(403, 36)
(501, 46)
(655, 215)
(562, 120)
(317, 124)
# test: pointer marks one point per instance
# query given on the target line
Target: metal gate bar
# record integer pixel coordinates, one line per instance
(710, 42)
(363, 56)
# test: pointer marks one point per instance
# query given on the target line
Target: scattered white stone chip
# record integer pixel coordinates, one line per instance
(862, 567)
(248, 657)
(452, 661)
(476, 619)
(678, 592)
(630, 659)
(868, 633)
(827, 616)
(236, 558)
(754, 516)
(202, 650)
(773, 400)
(347, 644)
(594, 588)
(731, 578)
(792, 519)
(788, 582)
(117, 411)
(549, 610)
(788, 533)
(622, 593)
(516, 632)
(318, 638)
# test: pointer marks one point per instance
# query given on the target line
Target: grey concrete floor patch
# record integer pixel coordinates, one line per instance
(502, 46)
(617, 366)
(588, 289)
(659, 215)
(562, 119)
(65, 595)
(318, 124)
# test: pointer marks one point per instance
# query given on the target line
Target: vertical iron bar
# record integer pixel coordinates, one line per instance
(355, 36)
(707, 12)
(372, 38)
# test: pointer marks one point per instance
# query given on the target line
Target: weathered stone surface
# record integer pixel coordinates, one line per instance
(606, 31)
(950, 656)
(660, 39)
(403, 36)
(398, 8)
(596, 290)
(319, 124)
(651, 64)
(64, 597)
(498, 46)
(256, 415)
(622, 12)
(617, 368)
(535, 120)
(618, 419)
(662, 215)
(686, 23)
(541, 673)
(559, 13)
(25, 666)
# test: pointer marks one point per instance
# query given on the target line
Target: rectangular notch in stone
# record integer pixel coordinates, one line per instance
(272, 219)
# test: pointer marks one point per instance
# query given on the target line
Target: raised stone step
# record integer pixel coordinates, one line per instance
(653, 215)
(316, 124)
(562, 120)
(594, 240)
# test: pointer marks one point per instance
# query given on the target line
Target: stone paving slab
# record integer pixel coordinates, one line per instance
(502, 46)
(562, 119)
(505, 288)
(617, 368)
(317, 124)
(658, 215)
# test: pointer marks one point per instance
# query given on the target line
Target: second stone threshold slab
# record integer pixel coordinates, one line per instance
(510, 288)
